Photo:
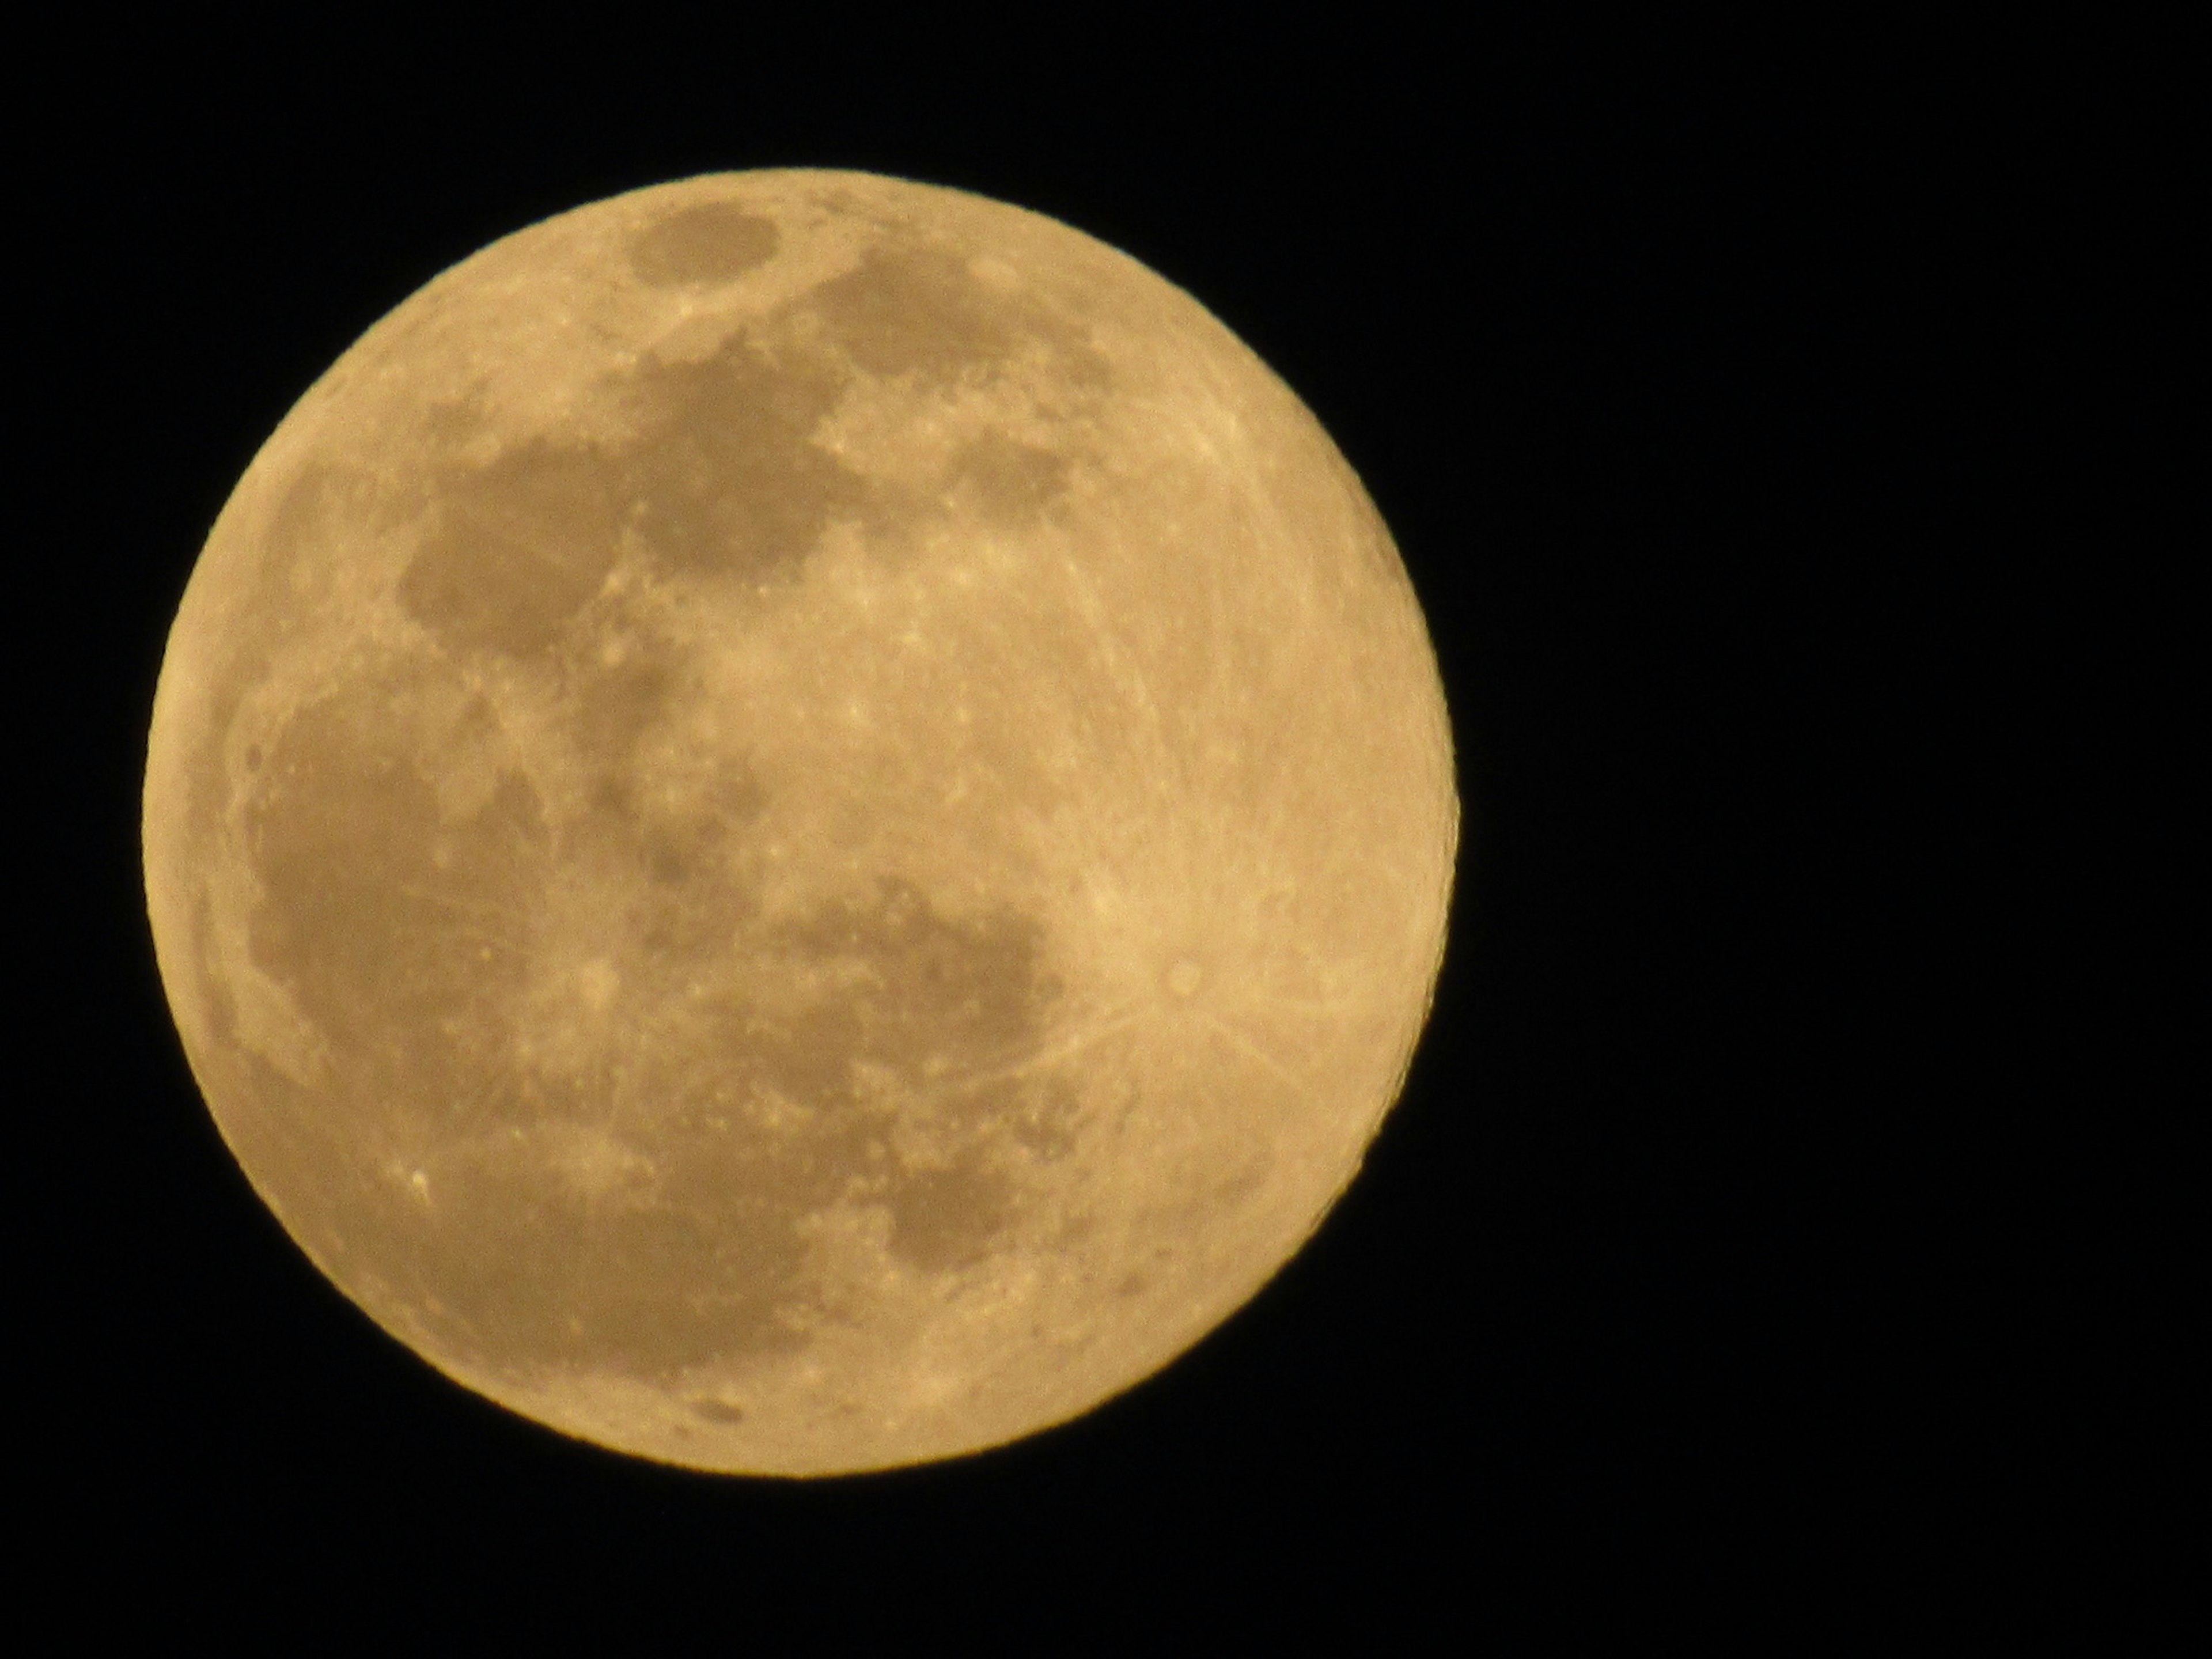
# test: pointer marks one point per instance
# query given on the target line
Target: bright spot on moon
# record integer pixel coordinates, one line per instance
(798, 823)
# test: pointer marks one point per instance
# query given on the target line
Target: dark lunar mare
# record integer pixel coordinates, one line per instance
(409, 936)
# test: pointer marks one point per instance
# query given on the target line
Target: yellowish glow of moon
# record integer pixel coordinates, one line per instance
(798, 823)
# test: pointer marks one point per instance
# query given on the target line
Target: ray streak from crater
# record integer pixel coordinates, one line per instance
(1252, 1051)
(1094, 1032)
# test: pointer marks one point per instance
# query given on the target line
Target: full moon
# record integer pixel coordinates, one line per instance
(798, 823)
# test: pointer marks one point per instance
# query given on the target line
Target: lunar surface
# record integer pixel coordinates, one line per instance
(798, 823)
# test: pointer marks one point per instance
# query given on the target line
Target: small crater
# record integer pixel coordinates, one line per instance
(714, 1411)
(712, 242)
(1045, 1127)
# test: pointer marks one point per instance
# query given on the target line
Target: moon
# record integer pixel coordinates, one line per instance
(798, 822)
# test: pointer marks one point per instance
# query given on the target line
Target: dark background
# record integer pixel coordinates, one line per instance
(1649, 349)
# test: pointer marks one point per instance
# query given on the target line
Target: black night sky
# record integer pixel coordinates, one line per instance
(1645, 350)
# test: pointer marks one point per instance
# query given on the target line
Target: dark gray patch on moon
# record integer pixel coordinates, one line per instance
(640, 1209)
(612, 705)
(317, 501)
(725, 477)
(516, 548)
(908, 309)
(396, 931)
(948, 1217)
(722, 478)
(712, 242)
(1013, 482)
(916, 311)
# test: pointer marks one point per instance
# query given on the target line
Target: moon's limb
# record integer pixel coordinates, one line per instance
(798, 823)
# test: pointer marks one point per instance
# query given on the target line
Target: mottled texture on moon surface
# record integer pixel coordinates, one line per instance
(798, 823)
